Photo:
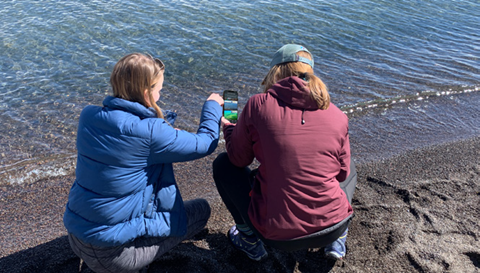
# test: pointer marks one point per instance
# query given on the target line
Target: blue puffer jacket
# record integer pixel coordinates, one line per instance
(125, 187)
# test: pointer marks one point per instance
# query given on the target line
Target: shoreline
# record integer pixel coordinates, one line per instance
(415, 212)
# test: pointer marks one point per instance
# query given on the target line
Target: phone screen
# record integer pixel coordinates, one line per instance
(230, 106)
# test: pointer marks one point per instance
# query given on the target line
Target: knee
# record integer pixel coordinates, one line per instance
(206, 208)
(220, 163)
(353, 169)
(198, 209)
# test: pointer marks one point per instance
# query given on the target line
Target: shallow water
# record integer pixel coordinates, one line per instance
(406, 72)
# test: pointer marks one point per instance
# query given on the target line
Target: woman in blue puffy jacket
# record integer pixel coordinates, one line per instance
(124, 209)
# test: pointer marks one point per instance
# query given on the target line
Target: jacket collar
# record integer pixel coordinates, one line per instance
(294, 92)
(129, 106)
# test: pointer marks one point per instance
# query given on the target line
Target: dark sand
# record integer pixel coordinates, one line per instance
(417, 212)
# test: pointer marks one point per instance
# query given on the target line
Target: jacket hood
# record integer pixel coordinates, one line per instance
(137, 109)
(129, 106)
(294, 92)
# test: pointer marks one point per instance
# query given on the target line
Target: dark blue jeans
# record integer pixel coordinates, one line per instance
(234, 186)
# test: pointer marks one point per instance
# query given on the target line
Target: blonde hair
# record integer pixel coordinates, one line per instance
(318, 90)
(135, 73)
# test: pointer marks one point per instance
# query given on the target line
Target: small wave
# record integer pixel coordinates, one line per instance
(31, 170)
(386, 103)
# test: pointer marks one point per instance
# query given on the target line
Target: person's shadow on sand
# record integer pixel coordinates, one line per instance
(54, 256)
(193, 256)
(204, 253)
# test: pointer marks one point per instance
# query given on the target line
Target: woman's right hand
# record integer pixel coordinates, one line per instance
(216, 97)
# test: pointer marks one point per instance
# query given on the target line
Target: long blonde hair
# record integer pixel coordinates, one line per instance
(135, 73)
(318, 90)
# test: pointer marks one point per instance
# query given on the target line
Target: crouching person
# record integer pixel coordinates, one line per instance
(300, 195)
(124, 209)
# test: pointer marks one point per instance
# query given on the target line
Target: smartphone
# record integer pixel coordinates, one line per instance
(230, 105)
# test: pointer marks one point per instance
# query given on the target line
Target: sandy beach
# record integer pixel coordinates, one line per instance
(416, 212)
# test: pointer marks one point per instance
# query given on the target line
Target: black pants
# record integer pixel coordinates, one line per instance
(234, 186)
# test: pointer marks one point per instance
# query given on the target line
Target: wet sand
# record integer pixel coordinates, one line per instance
(416, 212)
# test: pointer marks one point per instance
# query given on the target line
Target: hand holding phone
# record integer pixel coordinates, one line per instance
(230, 106)
(223, 122)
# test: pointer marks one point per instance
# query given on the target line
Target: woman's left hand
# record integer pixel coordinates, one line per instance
(223, 121)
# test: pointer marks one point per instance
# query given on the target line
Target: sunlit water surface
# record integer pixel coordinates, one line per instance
(406, 72)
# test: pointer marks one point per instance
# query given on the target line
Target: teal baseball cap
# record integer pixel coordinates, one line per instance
(288, 53)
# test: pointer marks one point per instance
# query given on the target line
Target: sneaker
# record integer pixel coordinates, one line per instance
(251, 245)
(337, 249)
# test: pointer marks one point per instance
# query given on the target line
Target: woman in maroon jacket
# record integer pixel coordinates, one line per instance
(300, 195)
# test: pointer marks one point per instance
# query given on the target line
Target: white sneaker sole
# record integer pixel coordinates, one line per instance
(334, 256)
